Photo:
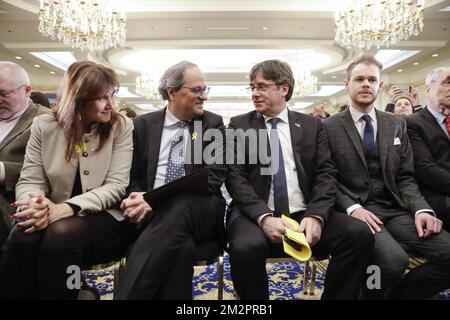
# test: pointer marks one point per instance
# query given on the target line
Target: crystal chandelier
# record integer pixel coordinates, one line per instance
(369, 23)
(147, 85)
(305, 83)
(85, 24)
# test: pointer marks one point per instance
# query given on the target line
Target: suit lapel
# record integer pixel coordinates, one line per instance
(296, 130)
(429, 118)
(156, 125)
(386, 130)
(23, 123)
(352, 132)
(257, 122)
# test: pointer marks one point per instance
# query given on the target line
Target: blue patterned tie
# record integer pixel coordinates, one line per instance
(280, 192)
(175, 164)
(368, 136)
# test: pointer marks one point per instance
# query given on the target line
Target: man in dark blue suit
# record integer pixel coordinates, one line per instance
(301, 182)
(429, 132)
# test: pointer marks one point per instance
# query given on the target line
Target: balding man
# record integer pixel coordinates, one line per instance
(16, 115)
(429, 132)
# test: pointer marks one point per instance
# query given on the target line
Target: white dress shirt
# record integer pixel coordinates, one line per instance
(360, 123)
(169, 130)
(295, 195)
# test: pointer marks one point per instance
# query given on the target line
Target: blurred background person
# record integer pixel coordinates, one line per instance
(128, 112)
(40, 98)
(76, 169)
(403, 106)
(396, 92)
(319, 112)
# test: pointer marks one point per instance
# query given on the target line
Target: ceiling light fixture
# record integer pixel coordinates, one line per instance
(86, 24)
(147, 85)
(305, 82)
(369, 23)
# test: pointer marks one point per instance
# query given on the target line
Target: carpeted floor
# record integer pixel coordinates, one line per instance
(285, 282)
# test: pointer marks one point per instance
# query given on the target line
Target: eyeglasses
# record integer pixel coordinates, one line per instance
(198, 91)
(104, 99)
(260, 87)
(8, 93)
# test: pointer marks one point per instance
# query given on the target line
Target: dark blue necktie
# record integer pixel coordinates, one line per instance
(280, 192)
(175, 163)
(368, 136)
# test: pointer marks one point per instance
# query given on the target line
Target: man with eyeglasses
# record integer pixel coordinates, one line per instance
(301, 183)
(160, 263)
(429, 132)
(16, 115)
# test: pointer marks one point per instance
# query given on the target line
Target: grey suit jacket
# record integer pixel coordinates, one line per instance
(396, 159)
(12, 152)
(104, 173)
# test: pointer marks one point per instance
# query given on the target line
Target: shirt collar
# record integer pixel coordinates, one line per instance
(356, 114)
(439, 116)
(170, 119)
(283, 116)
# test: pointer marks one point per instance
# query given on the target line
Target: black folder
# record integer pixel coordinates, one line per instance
(195, 182)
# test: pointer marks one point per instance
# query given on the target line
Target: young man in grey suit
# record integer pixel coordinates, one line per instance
(429, 132)
(374, 159)
(16, 115)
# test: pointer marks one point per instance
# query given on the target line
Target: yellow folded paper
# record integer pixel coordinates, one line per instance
(295, 243)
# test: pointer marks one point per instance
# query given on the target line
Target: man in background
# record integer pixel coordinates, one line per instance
(16, 115)
(429, 132)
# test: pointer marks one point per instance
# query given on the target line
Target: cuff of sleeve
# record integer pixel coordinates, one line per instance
(262, 216)
(318, 218)
(426, 211)
(353, 208)
(2, 173)
(76, 209)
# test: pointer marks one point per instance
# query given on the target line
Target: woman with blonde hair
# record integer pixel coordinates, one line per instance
(76, 171)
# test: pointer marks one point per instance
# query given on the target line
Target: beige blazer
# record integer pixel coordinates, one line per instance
(104, 174)
(12, 151)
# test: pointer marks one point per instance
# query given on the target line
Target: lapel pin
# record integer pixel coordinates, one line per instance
(194, 135)
(297, 124)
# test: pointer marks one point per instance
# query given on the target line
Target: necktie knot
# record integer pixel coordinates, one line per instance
(274, 122)
(181, 124)
(366, 118)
